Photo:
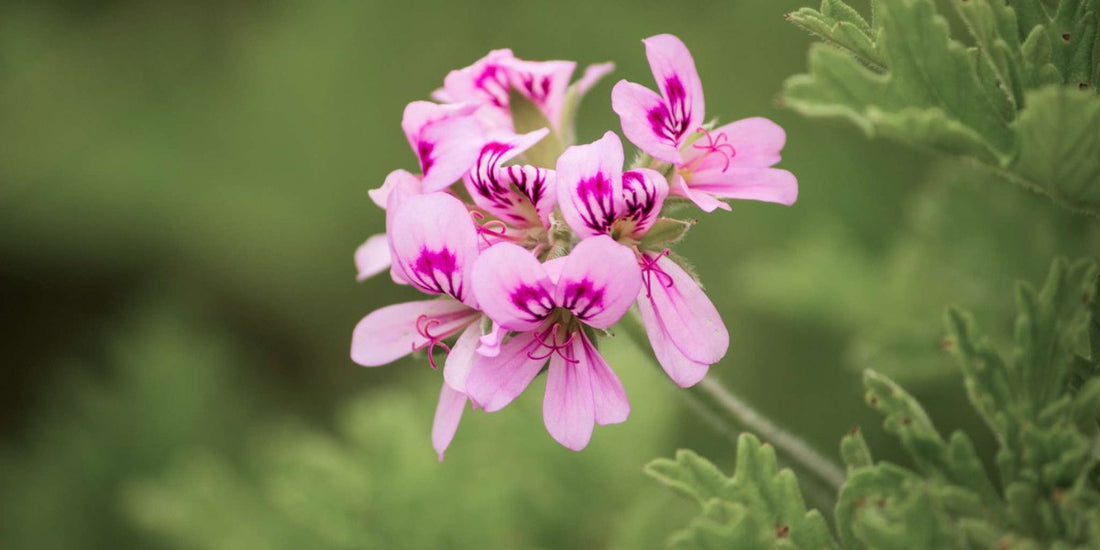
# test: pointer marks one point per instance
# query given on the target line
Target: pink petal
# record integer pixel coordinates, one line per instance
(644, 193)
(760, 184)
(494, 382)
(640, 112)
(593, 74)
(399, 184)
(434, 244)
(394, 331)
(703, 200)
(447, 415)
(568, 408)
(757, 141)
(608, 396)
(484, 81)
(599, 281)
(447, 149)
(489, 344)
(461, 358)
(419, 115)
(683, 371)
(674, 71)
(688, 317)
(512, 287)
(589, 182)
(372, 257)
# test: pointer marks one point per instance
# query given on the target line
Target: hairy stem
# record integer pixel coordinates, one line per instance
(785, 442)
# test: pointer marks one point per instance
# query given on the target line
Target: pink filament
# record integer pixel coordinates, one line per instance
(563, 349)
(650, 268)
(715, 144)
(496, 228)
(424, 326)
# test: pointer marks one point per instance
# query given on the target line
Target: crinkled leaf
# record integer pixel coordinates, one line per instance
(1021, 101)
(1059, 145)
(759, 507)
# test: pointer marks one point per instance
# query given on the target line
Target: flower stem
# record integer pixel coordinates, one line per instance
(787, 443)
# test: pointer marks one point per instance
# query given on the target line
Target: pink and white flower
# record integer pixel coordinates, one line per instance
(597, 198)
(434, 246)
(546, 307)
(521, 197)
(731, 162)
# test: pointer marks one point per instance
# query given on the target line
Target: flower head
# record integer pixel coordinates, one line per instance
(547, 244)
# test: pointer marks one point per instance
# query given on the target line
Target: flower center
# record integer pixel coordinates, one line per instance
(716, 144)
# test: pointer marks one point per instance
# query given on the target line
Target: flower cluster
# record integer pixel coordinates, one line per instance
(545, 245)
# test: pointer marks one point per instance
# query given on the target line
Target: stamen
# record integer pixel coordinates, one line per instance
(719, 144)
(496, 228)
(424, 326)
(563, 349)
(650, 268)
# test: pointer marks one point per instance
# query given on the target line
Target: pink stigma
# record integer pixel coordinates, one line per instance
(562, 349)
(650, 268)
(715, 144)
(424, 326)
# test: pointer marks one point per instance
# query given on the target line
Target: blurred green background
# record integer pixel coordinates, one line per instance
(182, 185)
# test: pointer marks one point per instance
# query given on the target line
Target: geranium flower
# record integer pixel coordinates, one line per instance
(546, 307)
(434, 246)
(731, 162)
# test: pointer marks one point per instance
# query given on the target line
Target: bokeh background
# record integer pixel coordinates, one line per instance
(182, 185)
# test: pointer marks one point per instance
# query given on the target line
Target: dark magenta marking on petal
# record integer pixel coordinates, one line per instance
(670, 119)
(435, 271)
(640, 197)
(509, 187)
(583, 298)
(484, 175)
(537, 89)
(493, 81)
(597, 203)
(424, 152)
(535, 301)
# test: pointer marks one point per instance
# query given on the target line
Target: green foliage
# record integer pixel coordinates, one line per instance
(164, 384)
(1020, 100)
(759, 507)
(1041, 402)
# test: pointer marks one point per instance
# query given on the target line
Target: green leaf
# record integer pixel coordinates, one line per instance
(841, 26)
(1059, 145)
(1022, 102)
(759, 507)
(931, 94)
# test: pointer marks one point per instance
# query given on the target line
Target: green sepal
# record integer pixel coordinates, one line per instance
(526, 117)
(665, 232)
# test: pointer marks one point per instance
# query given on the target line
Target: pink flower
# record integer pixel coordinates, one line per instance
(520, 196)
(434, 245)
(731, 162)
(597, 198)
(546, 307)
(490, 80)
